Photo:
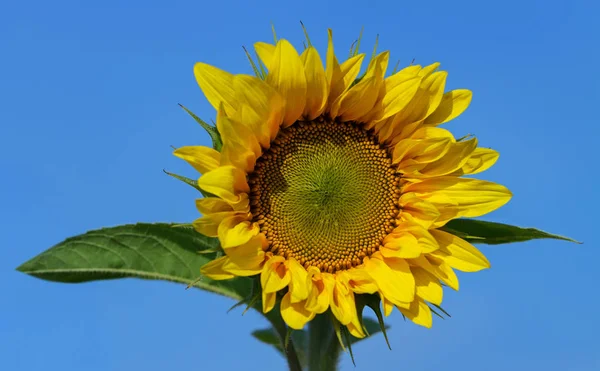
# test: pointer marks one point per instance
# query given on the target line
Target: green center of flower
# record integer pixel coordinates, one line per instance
(325, 194)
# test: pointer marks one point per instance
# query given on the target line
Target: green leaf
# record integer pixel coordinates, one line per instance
(480, 231)
(211, 130)
(149, 251)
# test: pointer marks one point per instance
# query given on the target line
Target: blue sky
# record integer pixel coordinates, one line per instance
(88, 108)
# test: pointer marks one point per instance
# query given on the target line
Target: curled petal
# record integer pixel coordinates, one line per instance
(342, 302)
(227, 182)
(299, 283)
(295, 314)
(275, 275)
(236, 230)
(318, 298)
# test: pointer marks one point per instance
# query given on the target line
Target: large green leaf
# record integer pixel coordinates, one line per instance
(480, 231)
(150, 251)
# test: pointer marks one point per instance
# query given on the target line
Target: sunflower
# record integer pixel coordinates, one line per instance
(331, 186)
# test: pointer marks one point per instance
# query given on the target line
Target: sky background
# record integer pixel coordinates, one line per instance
(88, 111)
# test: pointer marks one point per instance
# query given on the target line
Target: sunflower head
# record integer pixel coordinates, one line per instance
(333, 187)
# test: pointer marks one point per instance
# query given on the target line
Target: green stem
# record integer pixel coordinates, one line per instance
(323, 346)
(290, 351)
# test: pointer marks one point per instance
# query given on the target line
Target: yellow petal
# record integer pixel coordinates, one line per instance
(286, 75)
(265, 104)
(458, 253)
(420, 211)
(428, 286)
(217, 86)
(247, 259)
(398, 97)
(438, 268)
(460, 197)
(265, 52)
(208, 224)
(360, 99)
(342, 302)
(295, 314)
(408, 240)
(428, 70)
(419, 313)
(299, 283)
(317, 87)
(393, 277)
(211, 205)
(357, 101)
(274, 275)
(340, 77)
(360, 281)
(453, 103)
(455, 158)
(236, 230)
(268, 301)
(388, 306)
(227, 182)
(332, 67)
(379, 62)
(480, 160)
(203, 159)
(356, 329)
(318, 298)
(214, 269)
(240, 146)
(403, 245)
(411, 152)
(425, 101)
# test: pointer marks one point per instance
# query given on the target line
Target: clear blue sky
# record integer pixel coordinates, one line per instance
(88, 108)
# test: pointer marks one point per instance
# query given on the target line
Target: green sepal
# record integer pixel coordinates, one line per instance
(372, 301)
(211, 130)
(249, 300)
(491, 233)
(305, 34)
(190, 182)
(348, 339)
(254, 68)
(441, 309)
(356, 45)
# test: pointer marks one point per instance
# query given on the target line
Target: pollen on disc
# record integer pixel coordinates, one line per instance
(325, 193)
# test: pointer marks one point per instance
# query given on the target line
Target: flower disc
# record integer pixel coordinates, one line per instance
(325, 194)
